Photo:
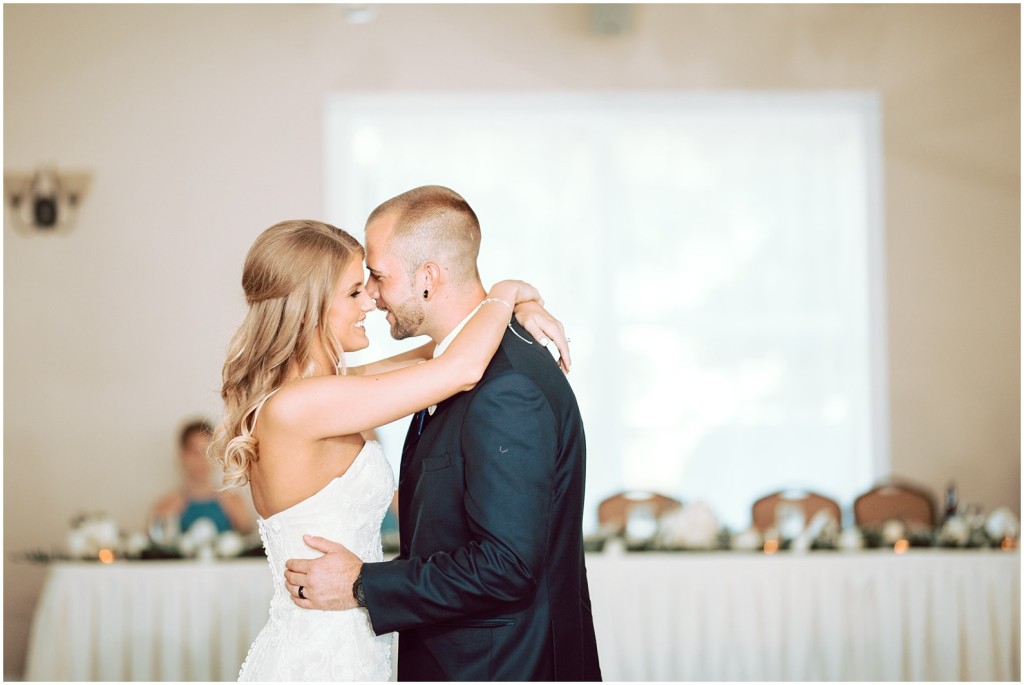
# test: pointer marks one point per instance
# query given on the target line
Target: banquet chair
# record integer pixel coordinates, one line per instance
(898, 501)
(764, 510)
(613, 512)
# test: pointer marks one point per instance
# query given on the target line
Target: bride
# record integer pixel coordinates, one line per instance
(293, 419)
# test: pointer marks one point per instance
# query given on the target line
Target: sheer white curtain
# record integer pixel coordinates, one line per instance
(716, 258)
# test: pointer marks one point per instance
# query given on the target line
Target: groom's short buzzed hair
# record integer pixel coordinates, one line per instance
(434, 223)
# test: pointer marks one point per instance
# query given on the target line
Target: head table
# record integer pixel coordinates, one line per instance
(872, 615)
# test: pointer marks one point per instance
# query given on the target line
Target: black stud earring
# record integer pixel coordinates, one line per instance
(424, 294)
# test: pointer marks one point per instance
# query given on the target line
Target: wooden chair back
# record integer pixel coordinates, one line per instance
(613, 512)
(904, 502)
(764, 510)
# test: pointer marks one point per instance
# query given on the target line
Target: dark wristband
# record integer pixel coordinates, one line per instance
(358, 592)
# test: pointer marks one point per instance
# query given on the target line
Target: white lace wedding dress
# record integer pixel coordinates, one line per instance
(302, 644)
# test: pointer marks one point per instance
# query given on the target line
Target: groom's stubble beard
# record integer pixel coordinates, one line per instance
(409, 316)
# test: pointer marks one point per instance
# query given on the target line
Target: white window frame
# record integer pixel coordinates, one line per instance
(353, 188)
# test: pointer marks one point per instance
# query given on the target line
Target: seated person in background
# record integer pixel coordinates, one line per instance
(198, 497)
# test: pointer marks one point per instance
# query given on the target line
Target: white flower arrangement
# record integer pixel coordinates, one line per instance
(96, 536)
(749, 540)
(695, 527)
(822, 531)
(136, 543)
(1002, 524)
(893, 530)
(92, 533)
(201, 541)
(691, 527)
(851, 540)
(955, 532)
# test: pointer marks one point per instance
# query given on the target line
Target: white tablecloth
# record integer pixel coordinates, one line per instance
(150, 620)
(924, 615)
(873, 615)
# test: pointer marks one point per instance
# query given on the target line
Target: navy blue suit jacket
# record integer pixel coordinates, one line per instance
(490, 583)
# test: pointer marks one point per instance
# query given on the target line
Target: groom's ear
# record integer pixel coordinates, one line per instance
(429, 278)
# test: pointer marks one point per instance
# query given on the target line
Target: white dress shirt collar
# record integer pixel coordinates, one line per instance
(443, 345)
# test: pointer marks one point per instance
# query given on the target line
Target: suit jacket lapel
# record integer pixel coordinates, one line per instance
(412, 438)
(407, 471)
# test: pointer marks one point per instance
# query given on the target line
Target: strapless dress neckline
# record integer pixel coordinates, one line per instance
(356, 464)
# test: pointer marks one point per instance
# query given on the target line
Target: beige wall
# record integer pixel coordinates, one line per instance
(203, 125)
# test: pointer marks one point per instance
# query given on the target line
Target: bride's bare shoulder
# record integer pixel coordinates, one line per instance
(289, 406)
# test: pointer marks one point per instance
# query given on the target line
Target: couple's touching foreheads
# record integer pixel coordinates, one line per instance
(490, 582)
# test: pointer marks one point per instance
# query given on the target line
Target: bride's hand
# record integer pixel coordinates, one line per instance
(514, 292)
(529, 310)
(544, 328)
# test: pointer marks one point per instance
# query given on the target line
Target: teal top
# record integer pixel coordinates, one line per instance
(209, 508)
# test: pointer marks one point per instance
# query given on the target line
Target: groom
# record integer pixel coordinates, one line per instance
(490, 583)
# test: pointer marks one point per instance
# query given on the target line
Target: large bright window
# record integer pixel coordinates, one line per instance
(716, 258)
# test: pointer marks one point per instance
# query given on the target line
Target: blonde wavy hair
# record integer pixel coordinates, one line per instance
(289, 278)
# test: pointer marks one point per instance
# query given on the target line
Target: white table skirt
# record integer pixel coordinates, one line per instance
(873, 615)
(925, 615)
(152, 620)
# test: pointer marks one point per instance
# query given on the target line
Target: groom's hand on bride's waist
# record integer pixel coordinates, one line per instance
(325, 583)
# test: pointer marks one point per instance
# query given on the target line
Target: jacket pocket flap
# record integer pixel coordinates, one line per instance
(434, 463)
(479, 623)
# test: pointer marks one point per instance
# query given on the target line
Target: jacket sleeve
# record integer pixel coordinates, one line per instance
(509, 443)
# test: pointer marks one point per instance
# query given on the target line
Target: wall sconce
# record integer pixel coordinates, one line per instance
(360, 13)
(45, 200)
(610, 19)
